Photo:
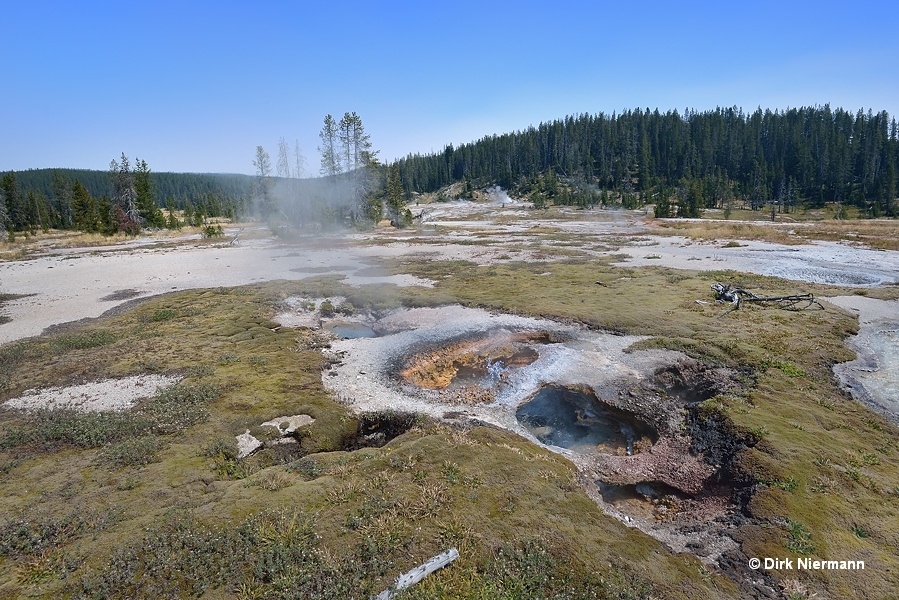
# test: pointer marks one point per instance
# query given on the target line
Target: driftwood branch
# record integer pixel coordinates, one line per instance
(737, 296)
(418, 573)
(237, 235)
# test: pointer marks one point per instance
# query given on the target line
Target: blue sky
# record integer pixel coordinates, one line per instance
(196, 86)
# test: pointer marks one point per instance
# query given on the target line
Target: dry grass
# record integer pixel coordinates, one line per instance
(881, 234)
(709, 231)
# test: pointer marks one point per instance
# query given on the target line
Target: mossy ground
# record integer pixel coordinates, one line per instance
(172, 513)
(315, 520)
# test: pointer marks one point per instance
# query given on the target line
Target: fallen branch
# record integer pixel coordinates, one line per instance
(418, 573)
(237, 235)
(737, 296)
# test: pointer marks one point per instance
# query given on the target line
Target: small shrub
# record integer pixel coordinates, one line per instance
(33, 533)
(326, 309)
(165, 314)
(346, 308)
(212, 231)
(227, 358)
(306, 467)
(179, 407)
(135, 452)
(859, 531)
(788, 485)
(84, 340)
(200, 371)
(800, 540)
(790, 370)
(225, 448)
(50, 428)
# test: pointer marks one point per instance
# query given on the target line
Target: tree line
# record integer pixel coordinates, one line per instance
(695, 160)
(125, 198)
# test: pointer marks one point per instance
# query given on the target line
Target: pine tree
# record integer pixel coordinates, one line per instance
(330, 159)
(263, 164)
(663, 209)
(15, 205)
(62, 200)
(85, 209)
(399, 215)
(143, 188)
(171, 221)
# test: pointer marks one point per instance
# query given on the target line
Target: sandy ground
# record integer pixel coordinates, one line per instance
(108, 394)
(79, 284)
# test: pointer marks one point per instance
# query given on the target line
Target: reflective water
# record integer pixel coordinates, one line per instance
(882, 381)
(350, 330)
(572, 419)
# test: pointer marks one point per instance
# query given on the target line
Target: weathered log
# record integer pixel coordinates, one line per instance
(736, 296)
(418, 573)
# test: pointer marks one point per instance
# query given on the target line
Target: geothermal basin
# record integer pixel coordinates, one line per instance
(577, 392)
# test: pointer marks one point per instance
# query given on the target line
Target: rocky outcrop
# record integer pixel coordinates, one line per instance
(286, 427)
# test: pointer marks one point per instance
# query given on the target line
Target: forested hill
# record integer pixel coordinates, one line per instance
(814, 155)
(194, 188)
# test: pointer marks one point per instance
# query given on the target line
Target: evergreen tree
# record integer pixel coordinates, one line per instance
(62, 200)
(171, 221)
(16, 218)
(663, 209)
(143, 188)
(395, 199)
(2, 217)
(263, 164)
(85, 210)
(330, 157)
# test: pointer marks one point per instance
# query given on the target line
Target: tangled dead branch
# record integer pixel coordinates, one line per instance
(737, 296)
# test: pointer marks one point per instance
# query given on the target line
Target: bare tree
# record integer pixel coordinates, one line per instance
(124, 194)
(283, 159)
(300, 169)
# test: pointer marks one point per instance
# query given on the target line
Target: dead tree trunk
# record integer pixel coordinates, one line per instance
(737, 296)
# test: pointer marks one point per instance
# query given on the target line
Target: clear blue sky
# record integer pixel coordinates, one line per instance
(196, 86)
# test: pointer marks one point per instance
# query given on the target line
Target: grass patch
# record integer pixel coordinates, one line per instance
(133, 452)
(800, 539)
